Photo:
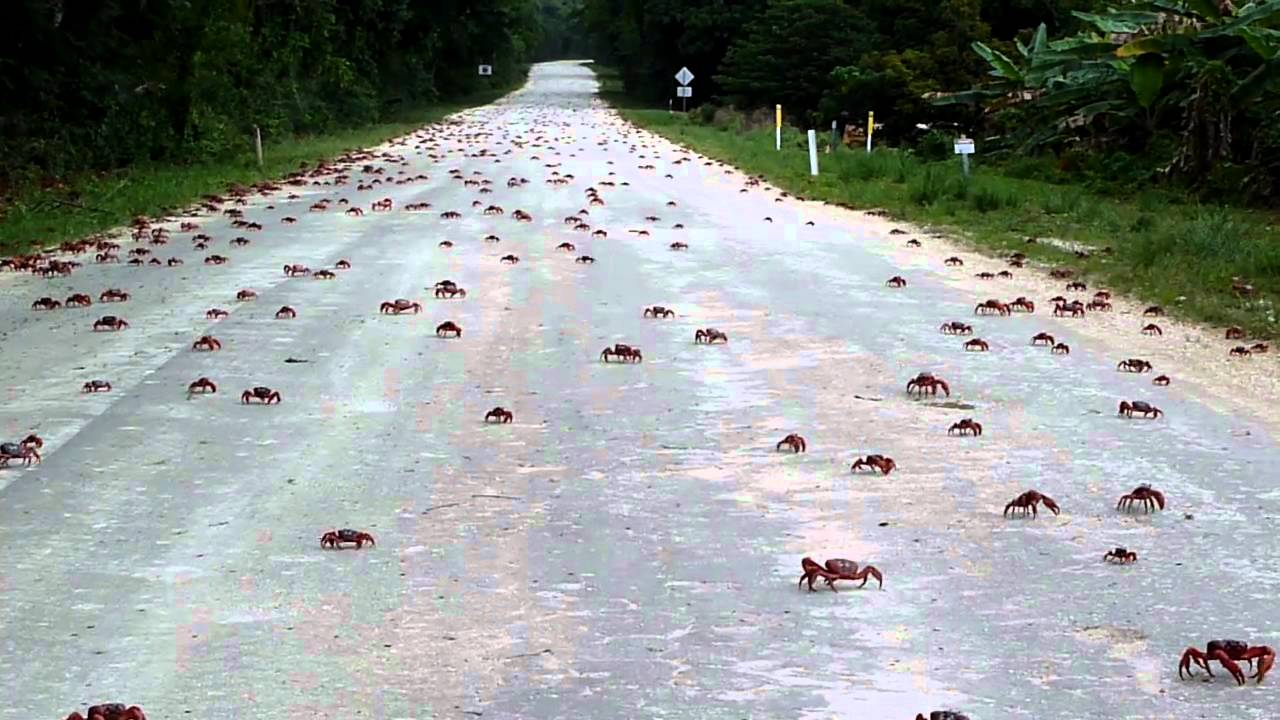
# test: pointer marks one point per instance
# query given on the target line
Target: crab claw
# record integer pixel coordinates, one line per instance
(1050, 504)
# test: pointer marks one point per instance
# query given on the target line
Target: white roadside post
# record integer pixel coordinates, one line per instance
(964, 148)
(871, 127)
(777, 128)
(257, 143)
(813, 153)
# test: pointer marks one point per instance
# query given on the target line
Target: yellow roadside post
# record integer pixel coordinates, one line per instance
(777, 127)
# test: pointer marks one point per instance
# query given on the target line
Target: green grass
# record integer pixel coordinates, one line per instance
(98, 203)
(1166, 250)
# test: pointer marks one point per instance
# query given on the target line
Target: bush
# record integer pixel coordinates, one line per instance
(705, 114)
(935, 145)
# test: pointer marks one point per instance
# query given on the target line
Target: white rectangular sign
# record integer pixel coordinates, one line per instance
(684, 76)
(684, 92)
(964, 146)
(486, 69)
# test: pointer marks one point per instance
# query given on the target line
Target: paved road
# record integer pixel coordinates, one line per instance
(629, 546)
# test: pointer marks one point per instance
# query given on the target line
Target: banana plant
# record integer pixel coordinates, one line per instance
(1143, 64)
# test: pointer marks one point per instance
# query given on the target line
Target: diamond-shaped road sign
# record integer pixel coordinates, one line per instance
(684, 76)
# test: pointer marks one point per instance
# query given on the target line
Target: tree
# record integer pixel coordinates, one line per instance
(105, 84)
(786, 54)
(1203, 74)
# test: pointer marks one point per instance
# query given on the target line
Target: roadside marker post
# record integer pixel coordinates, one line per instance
(964, 148)
(835, 141)
(813, 152)
(871, 127)
(684, 77)
(777, 128)
(257, 143)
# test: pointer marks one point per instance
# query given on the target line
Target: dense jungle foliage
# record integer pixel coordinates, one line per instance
(1120, 91)
(107, 84)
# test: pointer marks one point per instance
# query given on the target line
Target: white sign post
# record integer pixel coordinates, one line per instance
(684, 77)
(486, 69)
(813, 153)
(964, 148)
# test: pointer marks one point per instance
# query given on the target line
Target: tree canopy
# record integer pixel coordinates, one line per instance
(1191, 88)
(105, 84)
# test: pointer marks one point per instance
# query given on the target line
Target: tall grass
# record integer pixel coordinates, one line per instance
(1165, 249)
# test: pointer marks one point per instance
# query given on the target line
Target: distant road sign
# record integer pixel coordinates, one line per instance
(684, 92)
(486, 69)
(684, 76)
(964, 146)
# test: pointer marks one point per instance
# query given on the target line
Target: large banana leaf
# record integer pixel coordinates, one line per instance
(1001, 65)
(1119, 21)
(1146, 76)
(1246, 16)
(1265, 42)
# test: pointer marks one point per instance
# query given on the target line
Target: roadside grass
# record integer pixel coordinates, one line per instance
(1166, 250)
(97, 203)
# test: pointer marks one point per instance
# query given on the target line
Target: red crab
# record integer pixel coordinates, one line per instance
(1028, 501)
(1145, 494)
(1229, 652)
(18, 451)
(207, 342)
(499, 414)
(400, 305)
(709, 336)
(94, 386)
(109, 322)
(1128, 408)
(448, 327)
(1120, 555)
(110, 711)
(202, 385)
(965, 427)
(926, 384)
(335, 538)
(265, 395)
(882, 463)
(625, 352)
(837, 569)
(793, 441)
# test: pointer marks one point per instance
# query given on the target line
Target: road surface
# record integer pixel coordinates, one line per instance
(629, 546)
